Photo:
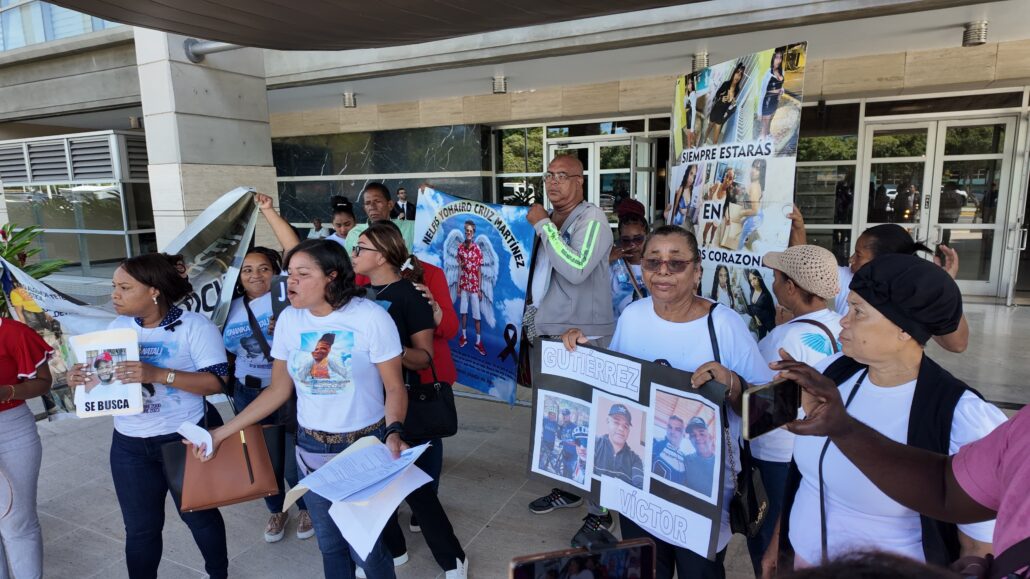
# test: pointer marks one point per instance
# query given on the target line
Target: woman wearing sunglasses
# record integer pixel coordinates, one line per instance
(624, 263)
(672, 325)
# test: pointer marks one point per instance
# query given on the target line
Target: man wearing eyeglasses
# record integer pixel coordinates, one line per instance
(570, 285)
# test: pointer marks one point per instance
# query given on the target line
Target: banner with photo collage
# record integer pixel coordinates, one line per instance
(734, 143)
(213, 246)
(634, 436)
(484, 251)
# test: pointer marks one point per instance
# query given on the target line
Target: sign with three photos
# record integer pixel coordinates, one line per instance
(635, 436)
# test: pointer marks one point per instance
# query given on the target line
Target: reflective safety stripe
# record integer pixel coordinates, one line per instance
(580, 260)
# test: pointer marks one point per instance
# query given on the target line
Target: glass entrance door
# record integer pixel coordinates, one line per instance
(946, 182)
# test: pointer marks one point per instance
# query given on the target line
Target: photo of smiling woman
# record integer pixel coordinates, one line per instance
(181, 361)
(358, 393)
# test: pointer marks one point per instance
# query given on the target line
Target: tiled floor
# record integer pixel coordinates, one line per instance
(484, 487)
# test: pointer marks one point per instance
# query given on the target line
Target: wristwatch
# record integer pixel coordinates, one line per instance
(170, 377)
(397, 427)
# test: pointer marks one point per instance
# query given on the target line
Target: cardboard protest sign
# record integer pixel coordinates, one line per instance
(635, 436)
(734, 142)
(103, 394)
(484, 251)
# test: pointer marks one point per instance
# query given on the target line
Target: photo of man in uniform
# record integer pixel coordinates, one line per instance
(700, 466)
(612, 455)
(548, 437)
(470, 260)
(667, 459)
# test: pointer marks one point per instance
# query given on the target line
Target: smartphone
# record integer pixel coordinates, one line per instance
(770, 406)
(633, 558)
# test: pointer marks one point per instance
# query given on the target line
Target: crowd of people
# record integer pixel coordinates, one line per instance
(867, 468)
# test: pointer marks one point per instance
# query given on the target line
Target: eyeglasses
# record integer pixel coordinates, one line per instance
(560, 177)
(674, 265)
(634, 240)
(359, 248)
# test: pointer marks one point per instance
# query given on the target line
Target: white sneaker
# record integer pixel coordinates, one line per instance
(461, 571)
(397, 562)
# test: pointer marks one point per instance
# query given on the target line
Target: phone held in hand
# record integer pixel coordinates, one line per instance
(770, 406)
(633, 558)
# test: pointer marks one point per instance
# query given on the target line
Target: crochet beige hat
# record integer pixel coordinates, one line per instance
(812, 268)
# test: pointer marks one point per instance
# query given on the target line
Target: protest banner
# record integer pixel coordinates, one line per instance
(103, 394)
(634, 435)
(734, 142)
(484, 251)
(213, 247)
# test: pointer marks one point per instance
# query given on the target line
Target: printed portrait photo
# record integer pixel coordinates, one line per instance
(101, 365)
(322, 364)
(687, 439)
(562, 445)
(620, 439)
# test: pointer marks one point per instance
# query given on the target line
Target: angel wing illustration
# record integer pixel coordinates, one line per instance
(817, 342)
(490, 271)
(451, 269)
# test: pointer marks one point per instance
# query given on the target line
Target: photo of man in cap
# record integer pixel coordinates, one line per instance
(699, 467)
(612, 455)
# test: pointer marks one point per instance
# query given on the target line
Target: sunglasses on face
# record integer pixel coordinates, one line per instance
(674, 265)
(635, 240)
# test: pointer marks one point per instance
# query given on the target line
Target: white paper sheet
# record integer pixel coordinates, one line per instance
(353, 472)
(361, 522)
(197, 435)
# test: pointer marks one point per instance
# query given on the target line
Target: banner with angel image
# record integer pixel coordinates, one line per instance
(484, 251)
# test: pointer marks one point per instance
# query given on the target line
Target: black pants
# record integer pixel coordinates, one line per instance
(669, 558)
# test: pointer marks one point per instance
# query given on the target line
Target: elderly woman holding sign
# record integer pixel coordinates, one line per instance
(673, 325)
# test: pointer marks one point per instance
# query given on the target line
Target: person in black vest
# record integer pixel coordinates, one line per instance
(897, 303)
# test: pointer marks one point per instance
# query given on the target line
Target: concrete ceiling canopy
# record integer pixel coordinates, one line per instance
(334, 25)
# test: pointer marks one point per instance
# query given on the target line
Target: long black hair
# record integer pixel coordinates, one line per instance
(715, 282)
(331, 257)
(761, 281)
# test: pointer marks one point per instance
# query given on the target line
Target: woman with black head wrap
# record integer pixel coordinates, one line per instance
(897, 303)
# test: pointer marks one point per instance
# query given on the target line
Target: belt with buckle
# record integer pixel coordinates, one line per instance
(341, 437)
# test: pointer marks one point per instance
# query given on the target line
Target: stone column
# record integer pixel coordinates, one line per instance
(207, 129)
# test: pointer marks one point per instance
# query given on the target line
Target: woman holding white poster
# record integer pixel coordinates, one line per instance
(672, 325)
(24, 374)
(182, 360)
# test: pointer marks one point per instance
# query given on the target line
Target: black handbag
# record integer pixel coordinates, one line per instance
(431, 410)
(174, 457)
(749, 505)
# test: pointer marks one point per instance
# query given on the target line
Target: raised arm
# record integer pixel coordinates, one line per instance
(280, 227)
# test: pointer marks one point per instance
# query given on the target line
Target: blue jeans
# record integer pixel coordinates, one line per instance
(338, 557)
(774, 478)
(139, 481)
(242, 397)
(431, 462)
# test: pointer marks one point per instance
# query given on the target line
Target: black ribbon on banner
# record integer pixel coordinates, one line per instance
(511, 334)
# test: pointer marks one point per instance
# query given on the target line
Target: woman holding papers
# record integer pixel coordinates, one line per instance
(24, 374)
(360, 393)
(181, 361)
(380, 254)
(673, 325)
(248, 341)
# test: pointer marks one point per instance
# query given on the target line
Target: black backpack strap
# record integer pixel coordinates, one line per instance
(255, 329)
(711, 333)
(1011, 560)
(821, 326)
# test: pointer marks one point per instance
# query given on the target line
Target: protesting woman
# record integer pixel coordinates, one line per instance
(672, 325)
(182, 360)
(897, 302)
(380, 254)
(24, 374)
(248, 341)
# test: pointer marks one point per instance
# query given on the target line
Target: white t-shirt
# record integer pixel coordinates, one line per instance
(250, 360)
(339, 240)
(192, 345)
(840, 305)
(805, 343)
(318, 233)
(641, 333)
(860, 516)
(346, 392)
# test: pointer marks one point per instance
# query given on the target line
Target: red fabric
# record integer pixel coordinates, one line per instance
(471, 260)
(361, 280)
(21, 352)
(448, 328)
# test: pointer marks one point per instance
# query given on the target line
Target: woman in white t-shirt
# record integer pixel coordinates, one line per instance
(804, 282)
(251, 360)
(182, 360)
(672, 325)
(897, 303)
(342, 356)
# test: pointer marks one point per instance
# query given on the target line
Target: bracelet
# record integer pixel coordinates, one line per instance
(10, 396)
(394, 427)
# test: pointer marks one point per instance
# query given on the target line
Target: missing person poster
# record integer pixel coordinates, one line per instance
(103, 394)
(634, 436)
(484, 252)
(734, 141)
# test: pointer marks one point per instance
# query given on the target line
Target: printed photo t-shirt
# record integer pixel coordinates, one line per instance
(332, 362)
(193, 343)
(239, 338)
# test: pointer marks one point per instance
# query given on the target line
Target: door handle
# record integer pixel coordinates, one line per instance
(1022, 239)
